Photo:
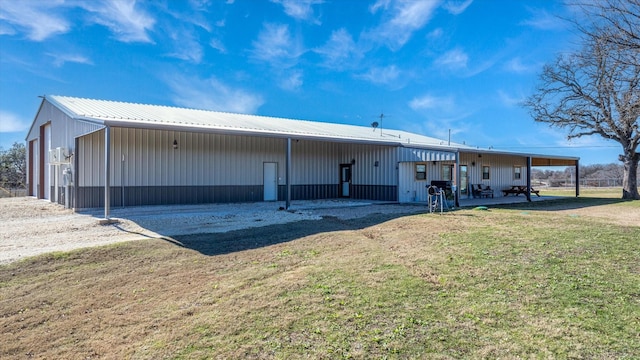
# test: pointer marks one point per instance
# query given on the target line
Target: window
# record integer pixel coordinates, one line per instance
(486, 173)
(447, 171)
(517, 172)
(421, 172)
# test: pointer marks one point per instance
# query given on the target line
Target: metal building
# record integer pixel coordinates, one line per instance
(86, 153)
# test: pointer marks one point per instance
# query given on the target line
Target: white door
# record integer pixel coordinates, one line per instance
(345, 180)
(270, 181)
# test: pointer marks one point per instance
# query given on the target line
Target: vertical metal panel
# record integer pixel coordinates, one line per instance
(501, 170)
(410, 189)
(200, 159)
(317, 162)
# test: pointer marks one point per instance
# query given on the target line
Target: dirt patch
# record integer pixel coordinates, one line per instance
(630, 217)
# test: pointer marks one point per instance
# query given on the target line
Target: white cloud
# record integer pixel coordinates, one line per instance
(60, 59)
(186, 45)
(430, 102)
(435, 34)
(515, 65)
(543, 20)
(276, 47)
(212, 94)
(380, 4)
(457, 7)
(300, 9)
(128, 22)
(453, 59)
(381, 75)
(442, 113)
(293, 81)
(340, 51)
(509, 100)
(10, 122)
(218, 45)
(37, 18)
(200, 5)
(403, 19)
(6, 29)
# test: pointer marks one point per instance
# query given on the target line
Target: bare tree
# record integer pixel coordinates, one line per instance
(595, 90)
(617, 21)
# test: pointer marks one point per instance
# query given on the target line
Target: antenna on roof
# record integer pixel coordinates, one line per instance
(376, 124)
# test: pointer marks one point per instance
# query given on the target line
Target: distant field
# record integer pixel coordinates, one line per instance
(538, 280)
(608, 192)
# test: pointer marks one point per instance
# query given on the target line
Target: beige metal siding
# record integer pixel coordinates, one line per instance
(200, 159)
(91, 160)
(410, 189)
(364, 171)
(501, 170)
(213, 159)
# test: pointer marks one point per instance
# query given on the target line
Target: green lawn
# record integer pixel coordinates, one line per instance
(523, 282)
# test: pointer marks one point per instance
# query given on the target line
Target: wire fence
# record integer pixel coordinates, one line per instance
(12, 192)
(582, 182)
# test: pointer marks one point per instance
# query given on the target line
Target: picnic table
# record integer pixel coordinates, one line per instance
(519, 189)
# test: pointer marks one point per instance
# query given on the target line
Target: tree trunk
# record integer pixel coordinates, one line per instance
(630, 178)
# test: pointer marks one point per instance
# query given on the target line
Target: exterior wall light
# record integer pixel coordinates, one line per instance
(175, 144)
(376, 163)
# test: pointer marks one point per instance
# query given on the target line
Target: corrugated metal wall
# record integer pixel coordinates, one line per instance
(208, 159)
(409, 188)
(144, 158)
(200, 158)
(63, 128)
(364, 170)
(501, 170)
(61, 132)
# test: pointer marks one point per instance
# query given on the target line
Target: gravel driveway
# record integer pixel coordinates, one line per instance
(31, 226)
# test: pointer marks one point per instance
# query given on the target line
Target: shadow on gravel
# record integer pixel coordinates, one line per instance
(239, 240)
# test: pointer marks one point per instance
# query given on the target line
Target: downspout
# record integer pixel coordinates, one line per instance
(288, 174)
(528, 178)
(107, 171)
(76, 175)
(577, 178)
(457, 194)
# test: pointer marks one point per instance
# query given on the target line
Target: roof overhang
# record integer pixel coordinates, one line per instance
(552, 161)
(536, 159)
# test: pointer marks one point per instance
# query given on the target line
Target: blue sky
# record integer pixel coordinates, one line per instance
(430, 66)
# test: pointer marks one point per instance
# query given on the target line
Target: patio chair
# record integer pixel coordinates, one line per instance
(476, 191)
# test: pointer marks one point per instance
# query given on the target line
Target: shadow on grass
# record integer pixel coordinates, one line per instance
(247, 239)
(561, 204)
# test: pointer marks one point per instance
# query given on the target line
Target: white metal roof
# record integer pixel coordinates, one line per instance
(114, 113)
